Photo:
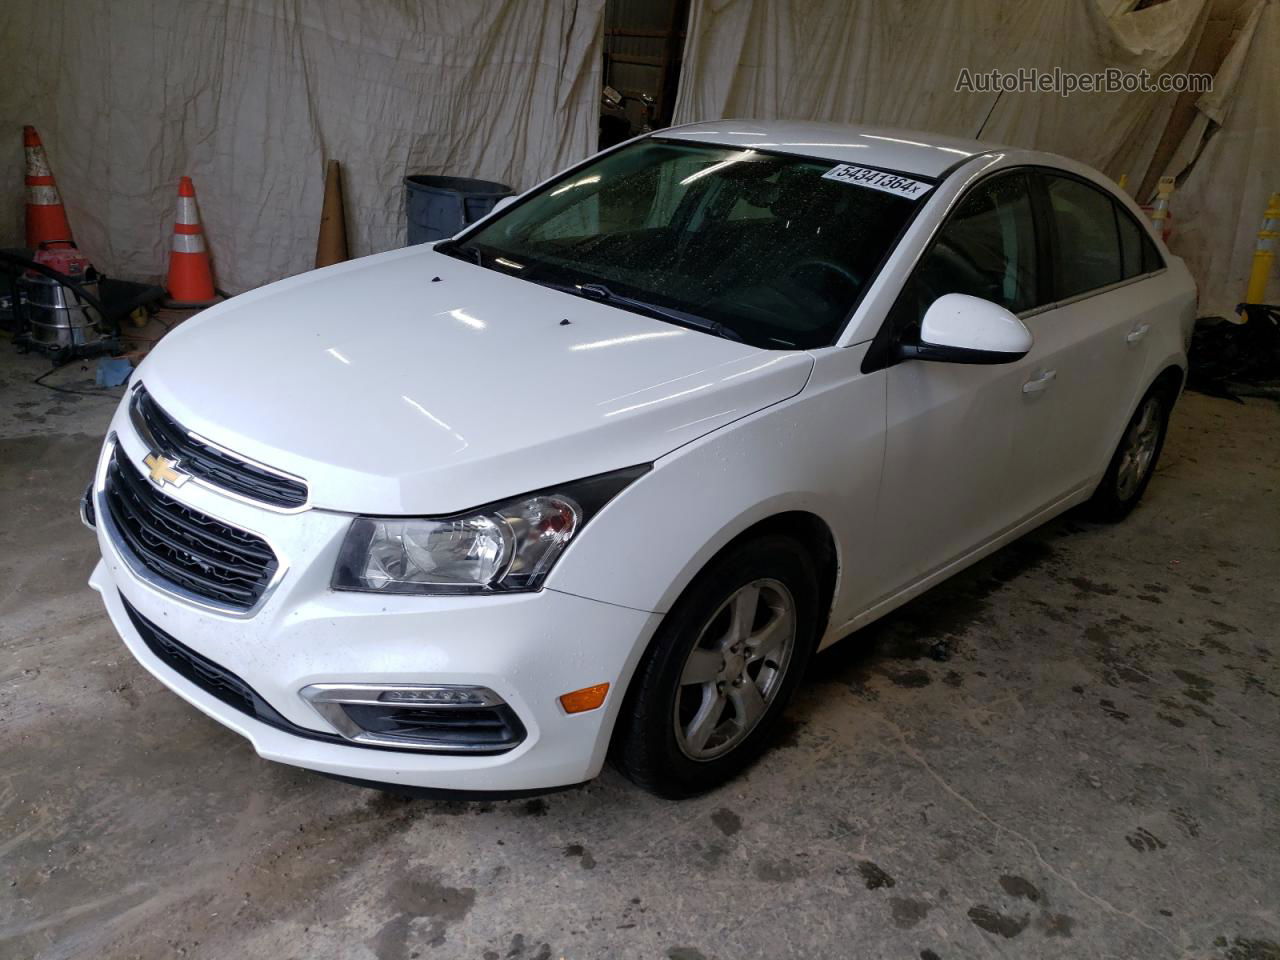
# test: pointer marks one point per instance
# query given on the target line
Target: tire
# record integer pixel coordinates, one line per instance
(1134, 461)
(681, 729)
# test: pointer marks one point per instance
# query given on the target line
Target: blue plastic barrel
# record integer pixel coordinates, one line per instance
(438, 207)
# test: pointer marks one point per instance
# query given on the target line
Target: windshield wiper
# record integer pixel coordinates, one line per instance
(454, 248)
(600, 292)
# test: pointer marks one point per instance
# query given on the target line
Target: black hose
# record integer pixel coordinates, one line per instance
(39, 381)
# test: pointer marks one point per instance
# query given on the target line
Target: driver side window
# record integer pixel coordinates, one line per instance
(986, 248)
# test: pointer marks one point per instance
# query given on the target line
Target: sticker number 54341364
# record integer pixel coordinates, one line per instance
(878, 180)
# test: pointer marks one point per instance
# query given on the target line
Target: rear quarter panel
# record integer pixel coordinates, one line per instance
(1168, 302)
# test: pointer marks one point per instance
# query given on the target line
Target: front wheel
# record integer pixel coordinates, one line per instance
(1135, 458)
(720, 670)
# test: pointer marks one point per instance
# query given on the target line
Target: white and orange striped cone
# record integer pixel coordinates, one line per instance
(190, 282)
(46, 217)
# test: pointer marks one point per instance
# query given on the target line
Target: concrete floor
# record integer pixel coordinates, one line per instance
(1072, 750)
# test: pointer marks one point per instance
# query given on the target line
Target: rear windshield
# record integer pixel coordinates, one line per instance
(759, 247)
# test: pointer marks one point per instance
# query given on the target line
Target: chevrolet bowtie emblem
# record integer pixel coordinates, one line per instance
(161, 471)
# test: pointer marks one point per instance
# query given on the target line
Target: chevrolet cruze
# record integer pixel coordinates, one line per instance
(597, 476)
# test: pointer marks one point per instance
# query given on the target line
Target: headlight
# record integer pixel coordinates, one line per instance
(505, 546)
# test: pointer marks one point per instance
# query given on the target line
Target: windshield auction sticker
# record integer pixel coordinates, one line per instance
(878, 180)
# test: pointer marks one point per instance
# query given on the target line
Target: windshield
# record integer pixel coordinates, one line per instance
(754, 246)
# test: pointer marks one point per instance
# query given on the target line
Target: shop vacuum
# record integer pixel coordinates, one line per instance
(55, 302)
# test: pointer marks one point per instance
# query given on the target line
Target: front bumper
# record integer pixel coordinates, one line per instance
(527, 648)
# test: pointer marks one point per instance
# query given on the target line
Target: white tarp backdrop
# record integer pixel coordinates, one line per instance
(1229, 165)
(863, 61)
(897, 64)
(252, 97)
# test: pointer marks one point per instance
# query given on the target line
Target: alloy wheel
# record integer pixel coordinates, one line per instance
(735, 669)
(1139, 449)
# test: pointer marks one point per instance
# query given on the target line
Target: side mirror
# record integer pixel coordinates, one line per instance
(958, 328)
(504, 202)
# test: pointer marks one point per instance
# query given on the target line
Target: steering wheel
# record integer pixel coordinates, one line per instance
(837, 268)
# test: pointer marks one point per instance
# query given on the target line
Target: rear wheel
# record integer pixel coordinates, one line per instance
(720, 670)
(1135, 458)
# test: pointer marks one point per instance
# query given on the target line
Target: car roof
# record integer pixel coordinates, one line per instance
(888, 148)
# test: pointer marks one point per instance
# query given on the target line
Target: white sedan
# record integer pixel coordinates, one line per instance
(597, 476)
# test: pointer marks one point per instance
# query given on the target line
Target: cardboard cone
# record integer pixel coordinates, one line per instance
(331, 246)
(190, 282)
(46, 217)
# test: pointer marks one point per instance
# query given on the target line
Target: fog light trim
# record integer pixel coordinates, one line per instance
(331, 702)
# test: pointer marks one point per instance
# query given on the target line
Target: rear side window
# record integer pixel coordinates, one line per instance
(987, 249)
(1130, 244)
(1087, 242)
(1138, 254)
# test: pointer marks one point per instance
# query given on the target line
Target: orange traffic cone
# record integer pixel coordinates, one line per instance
(190, 280)
(46, 217)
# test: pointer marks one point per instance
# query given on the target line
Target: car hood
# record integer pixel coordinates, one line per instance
(411, 382)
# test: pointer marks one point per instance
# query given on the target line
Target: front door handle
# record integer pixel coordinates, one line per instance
(1137, 333)
(1040, 382)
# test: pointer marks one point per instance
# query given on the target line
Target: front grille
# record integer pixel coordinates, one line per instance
(210, 464)
(223, 685)
(183, 546)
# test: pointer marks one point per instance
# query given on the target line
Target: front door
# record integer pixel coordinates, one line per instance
(946, 485)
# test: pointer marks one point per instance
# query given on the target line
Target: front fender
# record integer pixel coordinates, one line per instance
(818, 452)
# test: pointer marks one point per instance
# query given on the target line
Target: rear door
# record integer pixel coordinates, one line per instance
(1080, 378)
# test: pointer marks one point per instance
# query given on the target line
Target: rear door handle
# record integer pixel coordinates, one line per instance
(1137, 333)
(1040, 382)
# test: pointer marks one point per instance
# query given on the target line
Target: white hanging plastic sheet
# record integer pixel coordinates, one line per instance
(1228, 166)
(897, 64)
(251, 97)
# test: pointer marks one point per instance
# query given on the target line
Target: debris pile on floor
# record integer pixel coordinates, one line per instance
(1237, 359)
